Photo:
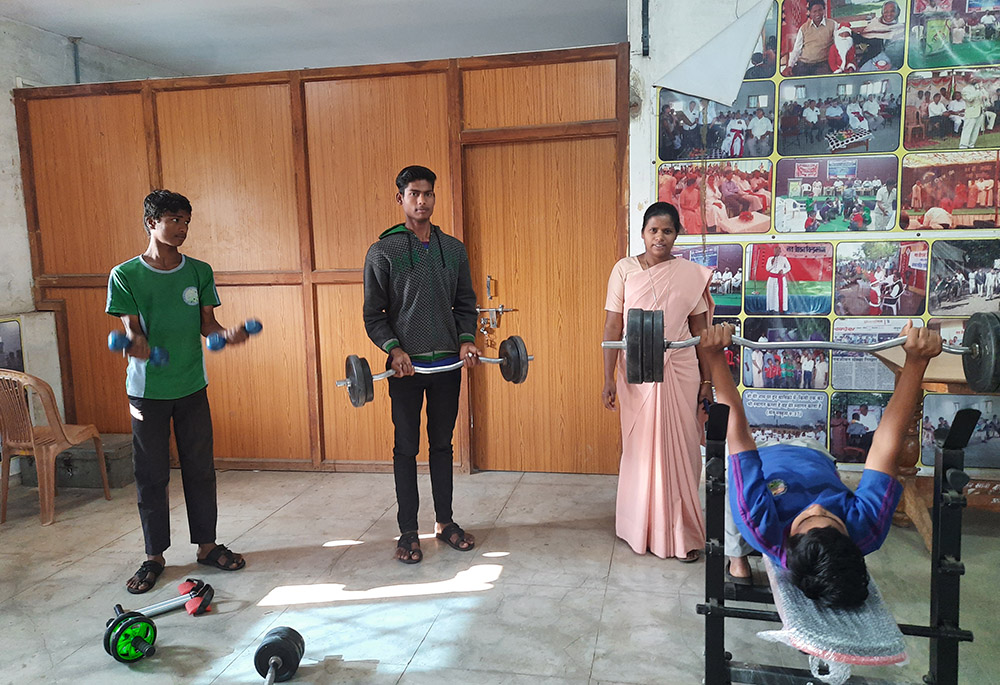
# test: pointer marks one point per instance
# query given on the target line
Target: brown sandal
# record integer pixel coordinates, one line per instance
(692, 556)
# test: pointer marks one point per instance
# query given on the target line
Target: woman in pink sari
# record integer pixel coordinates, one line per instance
(658, 507)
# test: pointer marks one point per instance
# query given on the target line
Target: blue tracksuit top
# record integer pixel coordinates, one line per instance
(771, 485)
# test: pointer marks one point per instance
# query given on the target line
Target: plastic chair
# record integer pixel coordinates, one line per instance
(913, 124)
(18, 437)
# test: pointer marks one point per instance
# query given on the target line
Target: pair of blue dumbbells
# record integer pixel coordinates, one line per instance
(158, 356)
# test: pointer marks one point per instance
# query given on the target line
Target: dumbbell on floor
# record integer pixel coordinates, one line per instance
(644, 347)
(119, 340)
(279, 654)
(513, 361)
(217, 341)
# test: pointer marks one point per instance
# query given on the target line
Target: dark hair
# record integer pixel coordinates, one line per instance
(159, 202)
(828, 567)
(815, 2)
(662, 209)
(414, 173)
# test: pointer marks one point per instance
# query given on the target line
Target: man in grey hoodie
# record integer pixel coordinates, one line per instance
(420, 308)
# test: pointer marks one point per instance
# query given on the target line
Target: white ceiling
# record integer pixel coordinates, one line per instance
(197, 37)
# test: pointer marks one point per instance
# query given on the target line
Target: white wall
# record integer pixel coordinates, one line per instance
(677, 28)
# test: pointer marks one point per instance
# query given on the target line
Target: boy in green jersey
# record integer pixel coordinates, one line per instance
(166, 299)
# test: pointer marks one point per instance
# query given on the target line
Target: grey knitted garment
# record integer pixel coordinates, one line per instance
(419, 297)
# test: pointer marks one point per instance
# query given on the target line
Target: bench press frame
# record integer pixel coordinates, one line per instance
(946, 570)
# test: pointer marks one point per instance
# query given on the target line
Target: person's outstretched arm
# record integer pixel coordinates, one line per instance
(922, 345)
(714, 340)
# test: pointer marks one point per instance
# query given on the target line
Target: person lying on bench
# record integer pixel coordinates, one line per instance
(788, 501)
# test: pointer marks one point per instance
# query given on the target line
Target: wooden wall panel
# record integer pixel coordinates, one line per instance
(360, 133)
(91, 174)
(551, 253)
(539, 94)
(353, 435)
(258, 390)
(98, 374)
(229, 150)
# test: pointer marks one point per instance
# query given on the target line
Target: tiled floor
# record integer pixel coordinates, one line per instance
(549, 595)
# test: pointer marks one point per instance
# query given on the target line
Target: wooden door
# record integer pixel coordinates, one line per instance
(540, 219)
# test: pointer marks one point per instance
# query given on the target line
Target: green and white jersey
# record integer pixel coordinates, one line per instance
(168, 304)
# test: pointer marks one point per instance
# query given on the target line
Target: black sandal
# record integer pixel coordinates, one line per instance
(148, 568)
(212, 559)
(455, 529)
(405, 543)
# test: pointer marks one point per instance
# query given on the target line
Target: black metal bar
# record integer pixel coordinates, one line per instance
(716, 668)
(645, 28)
(936, 632)
(761, 674)
(711, 609)
(946, 552)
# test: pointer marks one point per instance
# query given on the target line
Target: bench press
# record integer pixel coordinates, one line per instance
(946, 570)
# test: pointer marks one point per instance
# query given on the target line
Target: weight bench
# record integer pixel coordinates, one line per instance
(833, 651)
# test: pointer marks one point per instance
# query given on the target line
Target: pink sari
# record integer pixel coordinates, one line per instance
(658, 507)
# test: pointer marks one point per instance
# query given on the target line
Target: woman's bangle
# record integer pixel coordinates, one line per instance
(706, 382)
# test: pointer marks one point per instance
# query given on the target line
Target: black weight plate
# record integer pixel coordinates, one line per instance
(369, 381)
(285, 649)
(633, 346)
(521, 352)
(509, 361)
(647, 347)
(982, 371)
(288, 633)
(359, 380)
(657, 346)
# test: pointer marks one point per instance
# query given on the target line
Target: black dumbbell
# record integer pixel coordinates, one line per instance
(279, 654)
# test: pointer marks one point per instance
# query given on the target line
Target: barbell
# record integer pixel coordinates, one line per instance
(644, 347)
(513, 361)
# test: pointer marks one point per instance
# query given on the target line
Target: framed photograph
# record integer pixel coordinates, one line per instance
(939, 411)
(788, 278)
(776, 415)
(953, 33)
(802, 369)
(718, 197)
(11, 352)
(861, 370)
(835, 194)
(884, 278)
(726, 262)
(842, 37)
(839, 115)
(965, 277)
(693, 128)
(854, 416)
(764, 58)
(949, 110)
(949, 190)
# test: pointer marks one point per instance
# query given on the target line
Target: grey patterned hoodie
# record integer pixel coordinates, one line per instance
(419, 298)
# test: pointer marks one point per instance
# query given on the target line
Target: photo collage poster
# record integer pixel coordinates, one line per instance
(853, 185)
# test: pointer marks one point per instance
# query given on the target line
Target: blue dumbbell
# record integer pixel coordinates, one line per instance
(118, 341)
(216, 341)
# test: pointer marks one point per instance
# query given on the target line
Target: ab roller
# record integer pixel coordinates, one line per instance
(131, 635)
(644, 348)
(513, 361)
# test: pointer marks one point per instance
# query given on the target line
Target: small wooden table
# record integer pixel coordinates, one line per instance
(944, 374)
